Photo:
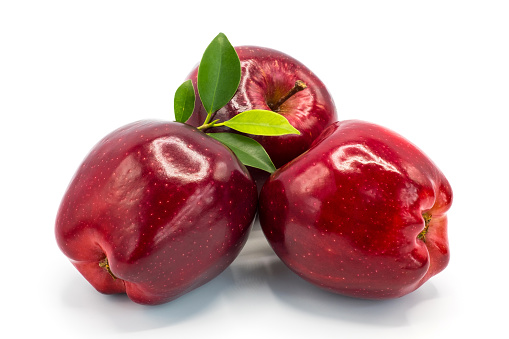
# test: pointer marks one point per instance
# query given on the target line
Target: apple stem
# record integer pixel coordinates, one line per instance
(427, 220)
(104, 264)
(299, 86)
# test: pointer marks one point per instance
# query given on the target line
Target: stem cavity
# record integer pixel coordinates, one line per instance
(299, 86)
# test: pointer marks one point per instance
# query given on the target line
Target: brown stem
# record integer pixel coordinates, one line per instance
(104, 264)
(299, 86)
(427, 219)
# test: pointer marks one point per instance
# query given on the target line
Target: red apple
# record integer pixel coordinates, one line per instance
(362, 213)
(156, 210)
(267, 82)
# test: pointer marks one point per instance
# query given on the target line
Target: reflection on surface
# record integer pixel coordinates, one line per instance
(126, 185)
(240, 100)
(186, 211)
(346, 158)
(179, 160)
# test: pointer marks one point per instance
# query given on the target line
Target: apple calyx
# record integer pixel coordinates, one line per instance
(427, 220)
(299, 86)
(105, 264)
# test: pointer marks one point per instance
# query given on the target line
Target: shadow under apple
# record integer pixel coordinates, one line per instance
(258, 265)
(297, 292)
(257, 268)
(117, 313)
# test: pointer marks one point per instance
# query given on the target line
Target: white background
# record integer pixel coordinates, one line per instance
(437, 72)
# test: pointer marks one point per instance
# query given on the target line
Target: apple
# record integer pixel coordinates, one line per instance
(272, 80)
(362, 213)
(156, 210)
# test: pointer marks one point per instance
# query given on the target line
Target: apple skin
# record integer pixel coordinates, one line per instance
(267, 75)
(347, 215)
(169, 207)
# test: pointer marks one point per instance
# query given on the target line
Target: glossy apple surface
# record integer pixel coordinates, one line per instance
(362, 213)
(156, 210)
(267, 76)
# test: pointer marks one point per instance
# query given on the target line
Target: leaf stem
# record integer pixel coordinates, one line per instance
(207, 119)
(299, 86)
(210, 124)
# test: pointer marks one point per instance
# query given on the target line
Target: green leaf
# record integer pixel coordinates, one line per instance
(261, 122)
(183, 103)
(249, 151)
(218, 74)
